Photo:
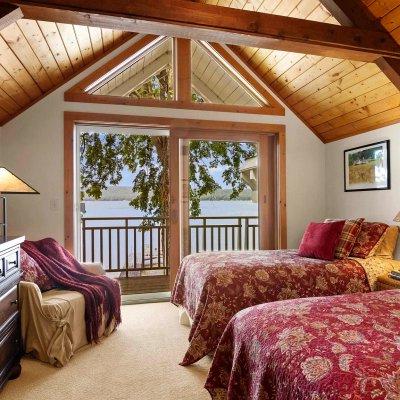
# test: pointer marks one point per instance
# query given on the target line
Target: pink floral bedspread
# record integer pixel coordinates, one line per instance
(329, 348)
(213, 287)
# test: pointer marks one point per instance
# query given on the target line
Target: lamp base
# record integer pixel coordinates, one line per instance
(3, 224)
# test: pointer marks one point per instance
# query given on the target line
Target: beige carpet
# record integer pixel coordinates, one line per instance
(139, 361)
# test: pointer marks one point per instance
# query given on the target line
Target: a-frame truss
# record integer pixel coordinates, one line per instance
(84, 91)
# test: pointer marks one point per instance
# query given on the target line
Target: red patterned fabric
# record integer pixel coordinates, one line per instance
(31, 272)
(102, 294)
(213, 287)
(334, 348)
(348, 237)
(368, 237)
(320, 240)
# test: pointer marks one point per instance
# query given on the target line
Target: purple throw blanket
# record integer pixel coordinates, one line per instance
(102, 294)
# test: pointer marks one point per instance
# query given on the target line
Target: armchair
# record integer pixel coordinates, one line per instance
(53, 323)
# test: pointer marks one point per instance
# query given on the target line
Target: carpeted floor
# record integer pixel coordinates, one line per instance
(139, 361)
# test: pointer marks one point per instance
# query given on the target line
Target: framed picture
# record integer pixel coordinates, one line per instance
(367, 167)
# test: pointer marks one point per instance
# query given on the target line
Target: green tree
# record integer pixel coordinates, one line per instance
(104, 156)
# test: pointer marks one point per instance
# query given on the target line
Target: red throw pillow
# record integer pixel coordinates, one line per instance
(368, 237)
(320, 240)
(31, 272)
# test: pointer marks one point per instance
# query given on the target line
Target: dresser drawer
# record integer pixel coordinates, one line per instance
(9, 343)
(8, 304)
(10, 261)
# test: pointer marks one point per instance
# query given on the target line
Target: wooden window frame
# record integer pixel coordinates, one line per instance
(182, 73)
(179, 128)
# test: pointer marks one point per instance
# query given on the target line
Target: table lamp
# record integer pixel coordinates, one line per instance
(11, 184)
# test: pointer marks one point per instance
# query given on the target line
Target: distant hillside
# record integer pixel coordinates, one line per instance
(119, 193)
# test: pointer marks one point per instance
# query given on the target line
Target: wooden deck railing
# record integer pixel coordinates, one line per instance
(135, 244)
(223, 233)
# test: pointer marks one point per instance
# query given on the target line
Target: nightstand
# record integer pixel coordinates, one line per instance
(385, 282)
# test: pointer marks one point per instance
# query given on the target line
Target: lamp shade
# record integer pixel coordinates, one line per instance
(397, 218)
(9, 183)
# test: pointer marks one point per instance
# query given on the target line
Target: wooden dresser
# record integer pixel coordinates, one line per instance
(10, 335)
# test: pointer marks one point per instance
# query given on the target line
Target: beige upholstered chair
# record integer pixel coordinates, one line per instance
(53, 322)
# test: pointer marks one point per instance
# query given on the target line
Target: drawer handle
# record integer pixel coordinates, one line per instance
(14, 302)
(12, 262)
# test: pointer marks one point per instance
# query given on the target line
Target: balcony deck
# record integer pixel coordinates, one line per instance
(134, 250)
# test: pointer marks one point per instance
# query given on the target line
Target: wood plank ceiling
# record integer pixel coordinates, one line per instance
(36, 57)
(336, 98)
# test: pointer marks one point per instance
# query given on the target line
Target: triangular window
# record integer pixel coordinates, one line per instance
(213, 80)
(146, 71)
(147, 76)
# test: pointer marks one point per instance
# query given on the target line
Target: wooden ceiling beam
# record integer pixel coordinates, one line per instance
(211, 23)
(9, 14)
(355, 13)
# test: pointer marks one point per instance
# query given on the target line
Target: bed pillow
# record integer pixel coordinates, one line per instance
(320, 240)
(348, 237)
(387, 244)
(31, 272)
(369, 236)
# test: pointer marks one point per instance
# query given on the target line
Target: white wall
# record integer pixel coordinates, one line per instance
(34, 150)
(376, 205)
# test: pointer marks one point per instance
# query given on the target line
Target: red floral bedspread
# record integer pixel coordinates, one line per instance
(213, 287)
(330, 348)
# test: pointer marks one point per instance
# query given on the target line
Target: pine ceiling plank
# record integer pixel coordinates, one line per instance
(7, 103)
(364, 112)
(56, 45)
(379, 8)
(391, 21)
(277, 69)
(294, 71)
(254, 5)
(374, 82)
(12, 88)
(22, 49)
(97, 40)
(385, 118)
(39, 45)
(71, 45)
(268, 6)
(3, 115)
(14, 67)
(289, 8)
(318, 69)
(322, 81)
(108, 39)
(84, 42)
(358, 102)
(368, 76)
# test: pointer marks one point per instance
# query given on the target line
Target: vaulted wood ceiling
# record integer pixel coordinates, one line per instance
(36, 57)
(336, 98)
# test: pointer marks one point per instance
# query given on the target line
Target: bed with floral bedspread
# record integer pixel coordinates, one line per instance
(329, 348)
(213, 287)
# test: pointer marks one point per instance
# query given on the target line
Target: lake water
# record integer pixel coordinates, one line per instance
(137, 244)
(210, 208)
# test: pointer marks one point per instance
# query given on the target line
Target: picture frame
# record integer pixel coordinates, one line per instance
(367, 167)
